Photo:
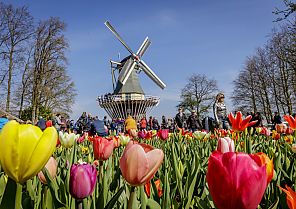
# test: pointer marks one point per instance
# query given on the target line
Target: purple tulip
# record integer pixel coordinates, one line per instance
(83, 178)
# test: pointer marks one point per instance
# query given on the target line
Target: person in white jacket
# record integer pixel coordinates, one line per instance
(220, 112)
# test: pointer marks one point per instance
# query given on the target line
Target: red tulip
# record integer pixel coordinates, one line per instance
(237, 122)
(139, 163)
(83, 178)
(163, 134)
(264, 160)
(289, 131)
(51, 166)
(291, 120)
(103, 148)
(291, 197)
(225, 144)
(235, 180)
(281, 128)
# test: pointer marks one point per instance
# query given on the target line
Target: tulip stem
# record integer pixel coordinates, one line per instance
(79, 204)
(18, 196)
(131, 198)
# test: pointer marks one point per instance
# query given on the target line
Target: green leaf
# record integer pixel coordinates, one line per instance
(8, 198)
(53, 190)
(274, 205)
(114, 199)
(151, 204)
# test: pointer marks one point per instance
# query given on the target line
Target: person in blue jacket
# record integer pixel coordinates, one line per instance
(3, 121)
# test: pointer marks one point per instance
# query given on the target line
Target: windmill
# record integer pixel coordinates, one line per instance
(128, 96)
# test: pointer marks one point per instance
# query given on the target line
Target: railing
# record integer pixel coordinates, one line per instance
(126, 97)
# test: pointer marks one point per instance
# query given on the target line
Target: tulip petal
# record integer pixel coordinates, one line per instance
(9, 157)
(30, 136)
(134, 164)
(42, 152)
(244, 181)
(81, 190)
(155, 158)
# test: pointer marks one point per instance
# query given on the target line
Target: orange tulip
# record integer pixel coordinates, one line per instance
(157, 184)
(291, 120)
(264, 160)
(238, 123)
(291, 197)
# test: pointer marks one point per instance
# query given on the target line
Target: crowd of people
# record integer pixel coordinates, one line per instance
(105, 126)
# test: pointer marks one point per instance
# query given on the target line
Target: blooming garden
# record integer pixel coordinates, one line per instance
(238, 168)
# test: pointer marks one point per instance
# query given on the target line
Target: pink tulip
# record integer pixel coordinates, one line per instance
(103, 148)
(83, 178)
(163, 134)
(225, 144)
(265, 131)
(51, 166)
(236, 180)
(139, 163)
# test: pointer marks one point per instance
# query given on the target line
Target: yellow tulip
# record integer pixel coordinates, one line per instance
(25, 149)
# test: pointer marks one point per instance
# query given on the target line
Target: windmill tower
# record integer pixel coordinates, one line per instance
(128, 96)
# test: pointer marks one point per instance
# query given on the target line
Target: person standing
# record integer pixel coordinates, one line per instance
(180, 119)
(276, 119)
(143, 124)
(130, 124)
(193, 122)
(220, 112)
(41, 123)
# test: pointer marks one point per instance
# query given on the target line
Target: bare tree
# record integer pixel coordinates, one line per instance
(50, 85)
(199, 94)
(16, 29)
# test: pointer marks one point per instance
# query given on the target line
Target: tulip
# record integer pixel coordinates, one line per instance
(235, 180)
(82, 138)
(281, 128)
(139, 163)
(264, 160)
(142, 134)
(289, 139)
(275, 135)
(148, 135)
(157, 184)
(51, 166)
(225, 144)
(124, 140)
(199, 135)
(291, 197)
(237, 122)
(259, 129)
(291, 121)
(67, 140)
(103, 148)
(265, 131)
(25, 149)
(289, 131)
(116, 141)
(83, 178)
(163, 134)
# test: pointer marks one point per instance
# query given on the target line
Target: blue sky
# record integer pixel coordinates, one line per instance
(194, 36)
